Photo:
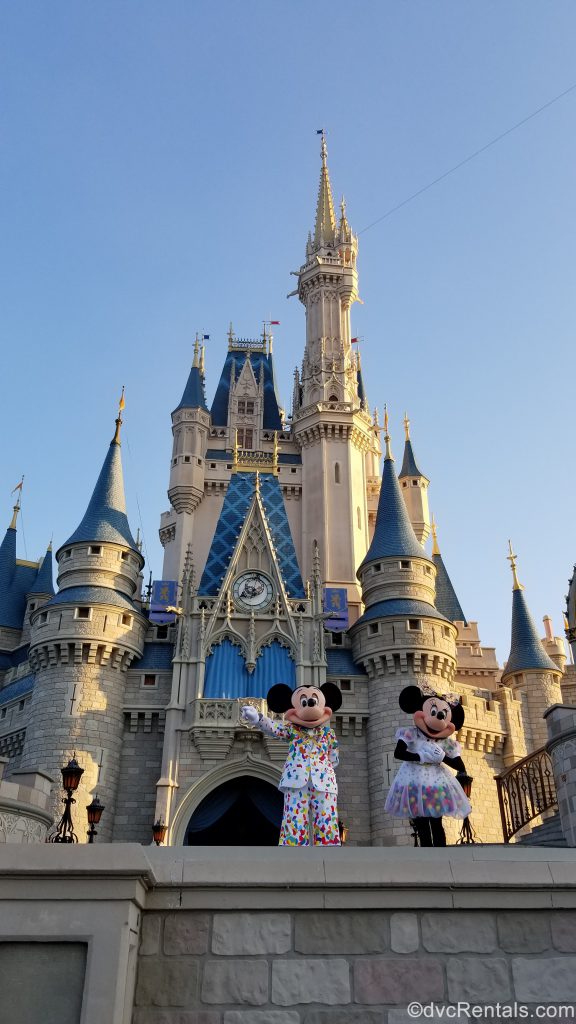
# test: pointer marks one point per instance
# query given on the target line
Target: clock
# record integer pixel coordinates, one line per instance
(253, 590)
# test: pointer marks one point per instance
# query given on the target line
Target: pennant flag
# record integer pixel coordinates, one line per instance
(354, 341)
(205, 337)
(319, 131)
(274, 322)
(18, 486)
(122, 403)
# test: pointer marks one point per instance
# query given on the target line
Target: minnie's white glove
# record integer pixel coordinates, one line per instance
(431, 753)
(250, 714)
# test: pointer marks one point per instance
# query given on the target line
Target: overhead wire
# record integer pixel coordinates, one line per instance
(467, 159)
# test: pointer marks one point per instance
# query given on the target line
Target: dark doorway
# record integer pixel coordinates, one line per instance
(243, 812)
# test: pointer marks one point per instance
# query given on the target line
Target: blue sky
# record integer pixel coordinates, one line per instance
(158, 176)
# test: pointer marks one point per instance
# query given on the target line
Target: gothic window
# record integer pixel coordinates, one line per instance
(333, 398)
(245, 437)
(245, 407)
(336, 472)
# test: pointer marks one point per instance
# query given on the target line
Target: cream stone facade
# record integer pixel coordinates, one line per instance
(294, 554)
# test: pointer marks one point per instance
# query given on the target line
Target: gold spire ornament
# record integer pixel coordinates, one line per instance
(16, 507)
(121, 406)
(512, 559)
(435, 548)
(388, 453)
(406, 426)
(196, 350)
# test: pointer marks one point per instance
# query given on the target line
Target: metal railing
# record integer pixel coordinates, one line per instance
(525, 790)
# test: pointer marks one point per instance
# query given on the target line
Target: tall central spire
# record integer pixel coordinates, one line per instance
(324, 231)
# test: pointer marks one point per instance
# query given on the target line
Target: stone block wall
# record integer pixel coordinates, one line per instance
(347, 966)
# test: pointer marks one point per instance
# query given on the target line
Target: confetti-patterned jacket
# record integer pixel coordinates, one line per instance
(312, 756)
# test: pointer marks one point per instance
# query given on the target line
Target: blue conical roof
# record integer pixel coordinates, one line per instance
(44, 583)
(7, 570)
(194, 396)
(105, 518)
(393, 535)
(409, 467)
(526, 649)
(446, 599)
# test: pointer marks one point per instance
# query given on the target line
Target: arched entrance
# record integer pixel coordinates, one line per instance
(243, 811)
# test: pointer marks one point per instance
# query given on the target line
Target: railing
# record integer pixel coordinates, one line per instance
(525, 790)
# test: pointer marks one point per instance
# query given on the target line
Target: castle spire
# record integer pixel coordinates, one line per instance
(388, 454)
(105, 517)
(446, 600)
(194, 396)
(512, 559)
(325, 227)
(414, 488)
(43, 583)
(121, 406)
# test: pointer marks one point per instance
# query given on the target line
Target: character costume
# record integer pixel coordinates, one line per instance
(308, 779)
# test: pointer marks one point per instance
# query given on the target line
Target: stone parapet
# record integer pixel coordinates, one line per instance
(299, 936)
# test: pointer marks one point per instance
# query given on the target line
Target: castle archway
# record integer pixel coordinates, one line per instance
(235, 804)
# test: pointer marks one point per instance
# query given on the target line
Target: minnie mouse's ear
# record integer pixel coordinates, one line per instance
(279, 698)
(457, 715)
(332, 695)
(411, 699)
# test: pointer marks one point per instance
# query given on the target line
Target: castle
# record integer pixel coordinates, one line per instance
(289, 555)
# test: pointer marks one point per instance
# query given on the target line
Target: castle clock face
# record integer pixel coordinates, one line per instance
(253, 590)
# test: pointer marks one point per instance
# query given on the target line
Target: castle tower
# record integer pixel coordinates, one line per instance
(414, 489)
(531, 674)
(82, 642)
(190, 428)
(10, 623)
(40, 592)
(400, 639)
(331, 422)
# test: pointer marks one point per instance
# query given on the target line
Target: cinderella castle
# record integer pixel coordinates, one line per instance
(294, 551)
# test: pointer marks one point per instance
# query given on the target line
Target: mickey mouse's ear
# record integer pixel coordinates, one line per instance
(279, 698)
(332, 695)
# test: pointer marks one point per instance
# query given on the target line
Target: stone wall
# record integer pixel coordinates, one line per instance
(309, 936)
(339, 967)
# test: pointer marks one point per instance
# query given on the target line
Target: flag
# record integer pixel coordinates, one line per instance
(274, 322)
(336, 608)
(205, 337)
(319, 131)
(18, 486)
(164, 594)
(354, 341)
(122, 403)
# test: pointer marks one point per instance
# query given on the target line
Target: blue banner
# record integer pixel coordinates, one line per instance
(336, 606)
(164, 595)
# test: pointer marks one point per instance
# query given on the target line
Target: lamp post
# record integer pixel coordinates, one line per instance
(467, 834)
(94, 812)
(159, 830)
(71, 775)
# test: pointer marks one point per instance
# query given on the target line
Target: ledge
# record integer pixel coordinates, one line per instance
(485, 877)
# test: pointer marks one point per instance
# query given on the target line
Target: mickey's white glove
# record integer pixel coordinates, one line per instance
(250, 714)
(431, 753)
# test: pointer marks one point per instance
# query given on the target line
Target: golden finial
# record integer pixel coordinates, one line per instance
(388, 453)
(16, 507)
(257, 483)
(196, 350)
(435, 548)
(121, 406)
(406, 426)
(231, 336)
(512, 559)
(202, 351)
(236, 447)
(566, 623)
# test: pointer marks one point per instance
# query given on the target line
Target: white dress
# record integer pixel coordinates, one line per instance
(426, 790)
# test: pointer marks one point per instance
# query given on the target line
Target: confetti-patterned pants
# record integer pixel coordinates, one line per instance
(299, 805)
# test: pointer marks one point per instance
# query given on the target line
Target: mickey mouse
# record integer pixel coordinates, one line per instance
(308, 778)
(423, 789)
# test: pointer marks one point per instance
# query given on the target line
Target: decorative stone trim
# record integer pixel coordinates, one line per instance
(12, 744)
(145, 720)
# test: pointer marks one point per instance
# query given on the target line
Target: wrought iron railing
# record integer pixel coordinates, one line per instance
(525, 790)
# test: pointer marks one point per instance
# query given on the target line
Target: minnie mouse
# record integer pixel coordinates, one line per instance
(308, 779)
(423, 789)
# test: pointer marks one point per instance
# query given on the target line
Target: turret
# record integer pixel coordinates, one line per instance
(401, 638)
(331, 422)
(40, 592)
(190, 427)
(414, 489)
(82, 642)
(529, 670)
